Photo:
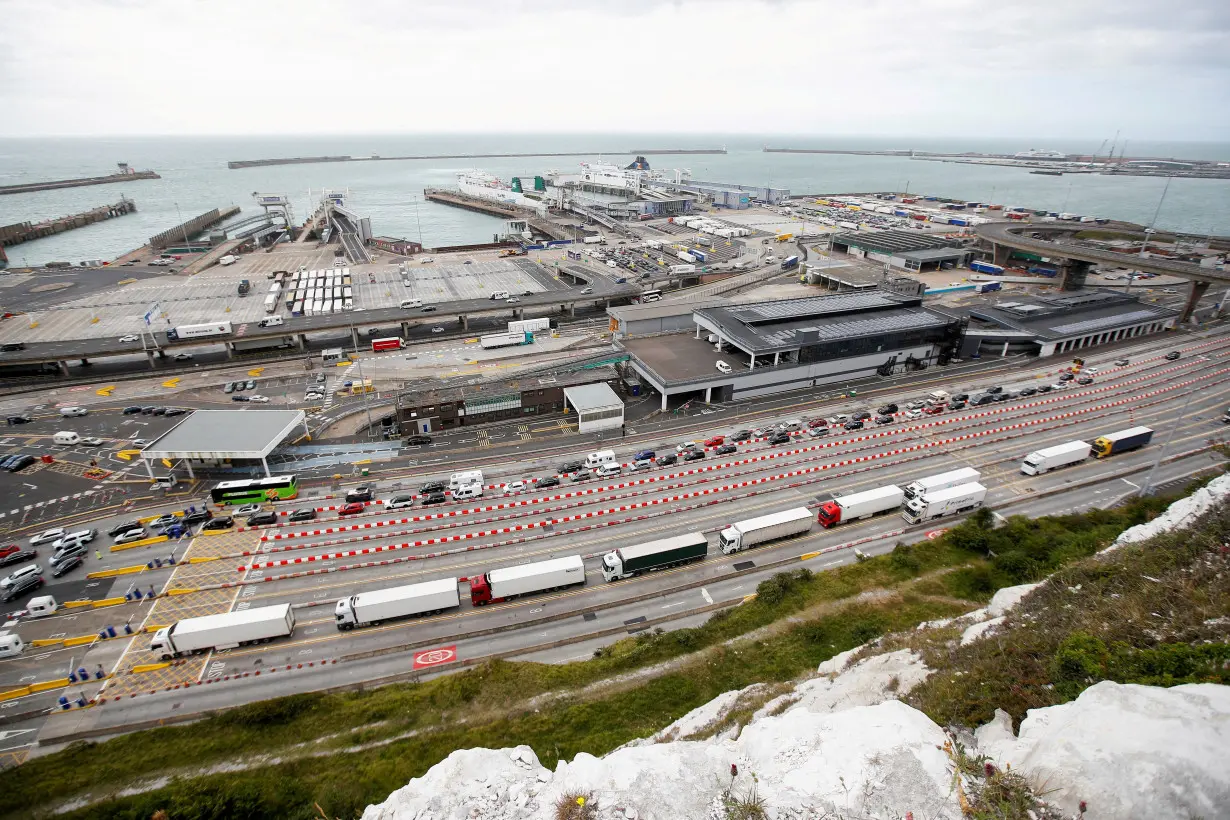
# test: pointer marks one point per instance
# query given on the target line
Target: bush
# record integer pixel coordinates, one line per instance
(276, 712)
(903, 558)
(1080, 659)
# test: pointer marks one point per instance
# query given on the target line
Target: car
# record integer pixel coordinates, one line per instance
(251, 384)
(399, 502)
(640, 465)
(20, 418)
(320, 378)
(1002, 397)
(1169, 290)
(437, 329)
(644, 455)
(726, 449)
(418, 441)
(790, 426)
(887, 409)
(978, 401)
(313, 395)
(1172, 355)
(132, 410)
(694, 455)
(668, 459)
(862, 415)
(1045, 388)
(1066, 377)
(1059, 385)
(1122, 362)
(148, 410)
(372, 331)
(21, 463)
(259, 399)
(686, 446)
(764, 432)
(160, 411)
(960, 397)
(839, 419)
(814, 423)
(779, 438)
(817, 432)
(427, 309)
(570, 467)
(224, 522)
(514, 487)
(18, 575)
(857, 424)
(262, 519)
(195, 516)
(130, 535)
(229, 388)
(304, 514)
(911, 415)
(1085, 380)
(68, 563)
(512, 299)
(935, 409)
(183, 357)
(15, 554)
(587, 291)
(1028, 391)
(47, 536)
(741, 435)
(583, 475)
(129, 338)
(175, 411)
(994, 391)
(547, 481)
(127, 525)
(433, 487)
(715, 441)
(90, 441)
(241, 398)
(20, 586)
(360, 493)
(163, 521)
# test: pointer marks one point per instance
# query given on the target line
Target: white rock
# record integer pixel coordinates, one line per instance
(866, 683)
(1128, 751)
(1182, 513)
(978, 630)
(1006, 599)
(838, 662)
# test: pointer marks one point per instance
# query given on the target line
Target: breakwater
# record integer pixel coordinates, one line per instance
(259, 163)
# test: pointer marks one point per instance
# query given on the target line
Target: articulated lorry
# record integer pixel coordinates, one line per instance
(1122, 441)
(746, 534)
(948, 501)
(513, 582)
(230, 629)
(942, 481)
(198, 331)
(626, 562)
(860, 505)
(494, 340)
(1052, 458)
(396, 602)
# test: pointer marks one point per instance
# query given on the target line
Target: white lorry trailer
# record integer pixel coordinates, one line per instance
(512, 582)
(948, 501)
(745, 534)
(943, 481)
(860, 505)
(230, 629)
(1052, 458)
(396, 602)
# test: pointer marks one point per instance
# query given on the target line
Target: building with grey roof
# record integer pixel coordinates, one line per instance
(223, 437)
(904, 249)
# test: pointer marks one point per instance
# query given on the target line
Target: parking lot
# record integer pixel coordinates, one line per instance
(436, 282)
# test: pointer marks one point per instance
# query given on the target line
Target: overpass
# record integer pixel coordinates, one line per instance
(1004, 237)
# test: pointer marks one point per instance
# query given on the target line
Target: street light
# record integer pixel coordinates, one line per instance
(1147, 487)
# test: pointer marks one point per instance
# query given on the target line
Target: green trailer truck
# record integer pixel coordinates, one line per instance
(667, 552)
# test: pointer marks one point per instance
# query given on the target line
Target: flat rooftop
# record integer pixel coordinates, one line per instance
(893, 242)
(1062, 317)
(588, 397)
(226, 434)
(679, 357)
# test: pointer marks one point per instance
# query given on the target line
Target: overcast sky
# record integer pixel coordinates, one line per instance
(1075, 68)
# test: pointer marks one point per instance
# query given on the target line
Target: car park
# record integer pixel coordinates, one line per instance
(47, 536)
(305, 514)
(726, 449)
(224, 522)
(14, 554)
(418, 441)
(1172, 355)
(695, 455)
(262, 519)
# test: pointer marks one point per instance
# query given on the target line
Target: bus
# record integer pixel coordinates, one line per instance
(257, 491)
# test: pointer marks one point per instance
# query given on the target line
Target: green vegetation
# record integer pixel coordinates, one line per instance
(343, 751)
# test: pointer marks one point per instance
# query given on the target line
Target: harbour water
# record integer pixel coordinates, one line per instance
(195, 179)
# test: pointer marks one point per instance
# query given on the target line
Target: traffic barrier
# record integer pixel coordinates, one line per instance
(109, 602)
(48, 685)
(183, 591)
(111, 573)
(216, 532)
(256, 673)
(144, 542)
(38, 643)
(13, 694)
(75, 604)
(81, 639)
(149, 667)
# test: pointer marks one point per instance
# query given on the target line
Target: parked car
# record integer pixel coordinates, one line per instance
(817, 432)
(130, 535)
(20, 418)
(305, 514)
(183, 357)
(352, 508)
(132, 410)
(994, 390)
(1172, 355)
(726, 449)
(814, 423)
(418, 441)
(240, 398)
(854, 425)
(400, 502)
(668, 459)
(911, 415)
(582, 475)
(21, 463)
(1028, 391)
(175, 411)
(546, 481)
(960, 397)
(715, 441)
(1045, 388)
(1085, 380)
(229, 387)
(862, 415)
(196, 516)
(935, 409)
(887, 409)
(224, 522)
(47, 536)
(644, 455)
(248, 509)
(884, 419)
(149, 410)
(15, 554)
(15, 586)
(699, 455)
(839, 419)
(978, 401)
(432, 487)
(1059, 385)
(957, 405)
(262, 519)
(779, 438)
(1122, 362)
(640, 465)
(570, 467)
(742, 435)
(361, 493)
(514, 487)
(251, 384)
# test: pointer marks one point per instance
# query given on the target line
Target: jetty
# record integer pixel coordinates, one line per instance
(259, 163)
(125, 174)
(20, 232)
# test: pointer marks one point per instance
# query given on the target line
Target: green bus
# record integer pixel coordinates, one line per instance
(256, 491)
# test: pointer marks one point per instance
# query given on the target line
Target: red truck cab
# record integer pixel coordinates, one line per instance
(480, 591)
(830, 514)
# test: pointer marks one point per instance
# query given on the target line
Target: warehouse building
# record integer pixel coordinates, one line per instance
(597, 406)
(742, 351)
(904, 249)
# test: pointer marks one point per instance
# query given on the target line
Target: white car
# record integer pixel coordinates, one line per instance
(140, 442)
(259, 399)
(514, 487)
(313, 396)
(135, 534)
(1059, 386)
(910, 415)
(399, 502)
(437, 329)
(247, 509)
(512, 299)
(91, 441)
(426, 260)
(183, 357)
(130, 338)
(47, 536)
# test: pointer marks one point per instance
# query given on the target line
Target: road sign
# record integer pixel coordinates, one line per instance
(435, 657)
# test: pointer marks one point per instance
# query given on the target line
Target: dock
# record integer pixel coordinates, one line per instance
(184, 231)
(259, 163)
(28, 231)
(482, 206)
(125, 174)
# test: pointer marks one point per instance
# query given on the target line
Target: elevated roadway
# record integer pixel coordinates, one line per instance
(1007, 236)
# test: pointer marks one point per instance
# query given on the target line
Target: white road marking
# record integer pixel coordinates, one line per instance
(705, 594)
(1125, 481)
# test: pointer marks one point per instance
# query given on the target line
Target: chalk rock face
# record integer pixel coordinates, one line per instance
(1128, 751)
(1180, 514)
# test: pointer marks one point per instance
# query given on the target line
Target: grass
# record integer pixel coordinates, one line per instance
(812, 617)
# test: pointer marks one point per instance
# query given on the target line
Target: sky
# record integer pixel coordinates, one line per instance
(1066, 68)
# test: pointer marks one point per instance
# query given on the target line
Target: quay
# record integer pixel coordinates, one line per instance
(184, 231)
(258, 163)
(125, 174)
(482, 206)
(28, 231)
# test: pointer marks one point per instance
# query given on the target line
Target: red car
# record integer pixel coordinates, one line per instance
(351, 508)
(814, 423)
(716, 441)
(935, 409)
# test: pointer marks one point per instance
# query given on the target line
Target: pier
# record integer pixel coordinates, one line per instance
(185, 230)
(482, 206)
(259, 163)
(125, 174)
(28, 231)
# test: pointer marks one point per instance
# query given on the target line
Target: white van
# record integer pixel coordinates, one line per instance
(72, 412)
(468, 477)
(406, 304)
(608, 469)
(468, 491)
(228, 260)
(600, 457)
(339, 261)
(166, 482)
(10, 644)
(42, 606)
(66, 437)
(271, 321)
(500, 294)
(722, 366)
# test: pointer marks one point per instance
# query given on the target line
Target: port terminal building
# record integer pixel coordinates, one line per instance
(904, 250)
(742, 351)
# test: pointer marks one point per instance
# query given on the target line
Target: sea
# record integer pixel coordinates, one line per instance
(195, 179)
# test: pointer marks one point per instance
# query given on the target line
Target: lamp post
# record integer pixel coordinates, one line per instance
(1147, 487)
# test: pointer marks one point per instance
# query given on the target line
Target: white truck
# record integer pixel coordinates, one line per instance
(596, 239)
(529, 325)
(744, 534)
(512, 582)
(937, 397)
(860, 505)
(1052, 458)
(681, 269)
(396, 602)
(943, 481)
(230, 629)
(197, 331)
(948, 501)
(228, 260)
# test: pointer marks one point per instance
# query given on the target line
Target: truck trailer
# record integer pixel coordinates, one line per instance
(948, 501)
(986, 267)
(790, 263)
(389, 343)
(494, 340)
(198, 331)
(529, 325)
(512, 582)
(1122, 441)
(230, 629)
(941, 481)
(860, 505)
(396, 602)
(746, 534)
(1052, 458)
(666, 552)
(988, 287)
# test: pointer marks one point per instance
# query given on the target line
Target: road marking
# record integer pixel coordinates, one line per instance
(1125, 481)
(671, 606)
(705, 594)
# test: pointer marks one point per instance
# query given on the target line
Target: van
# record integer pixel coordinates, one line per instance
(339, 261)
(271, 321)
(608, 469)
(406, 304)
(468, 491)
(66, 437)
(651, 297)
(10, 644)
(228, 260)
(73, 412)
(599, 457)
(166, 482)
(468, 477)
(74, 539)
(500, 294)
(723, 367)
